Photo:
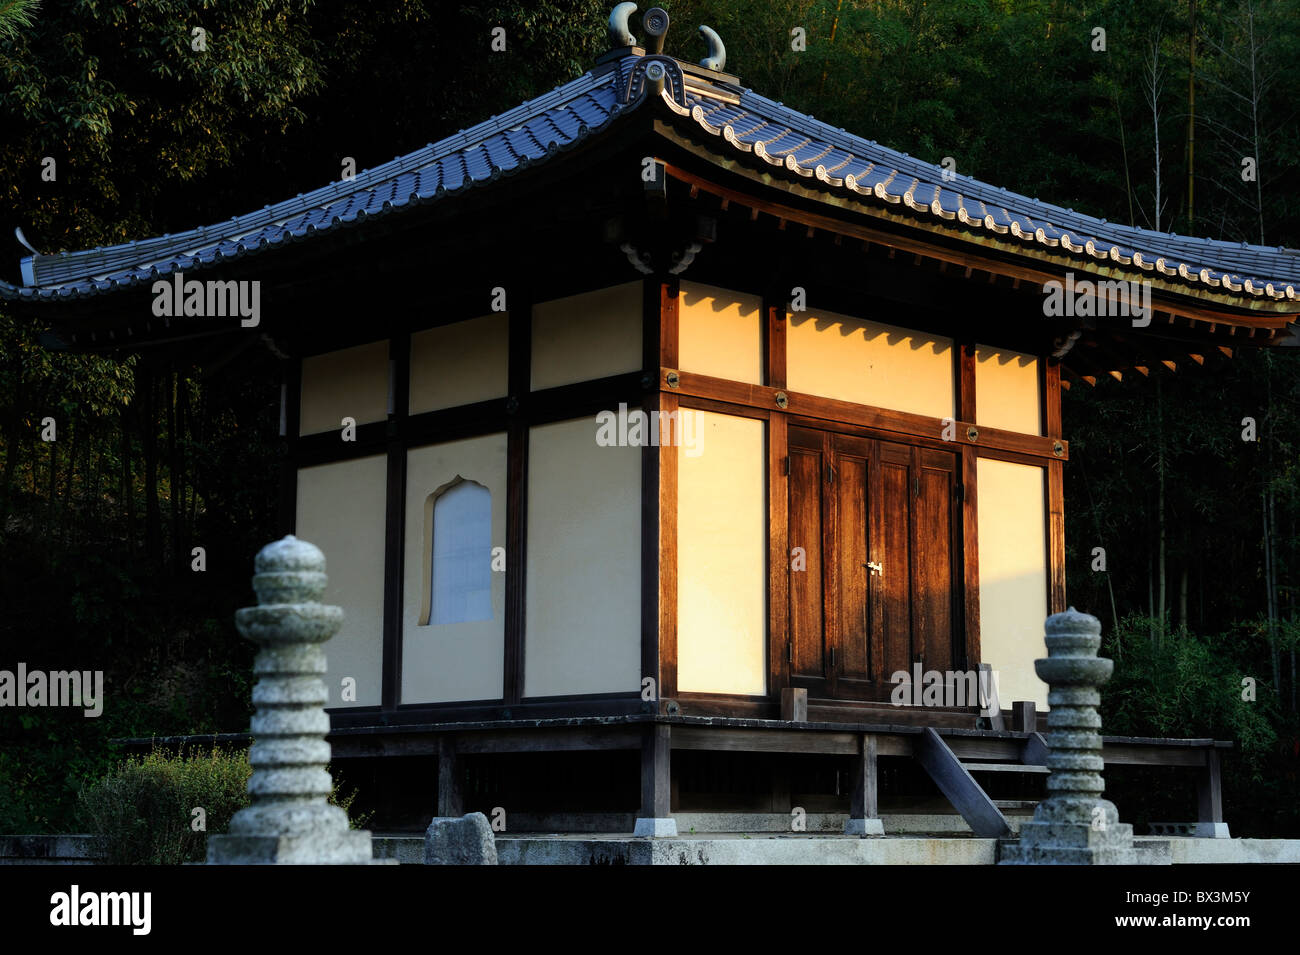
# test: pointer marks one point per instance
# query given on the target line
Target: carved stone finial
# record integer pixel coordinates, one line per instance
(655, 22)
(290, 820)
(717, 56)
(620, 34)
(1074, 825)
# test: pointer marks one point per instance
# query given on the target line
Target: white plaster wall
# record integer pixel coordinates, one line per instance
(836, 356)
(352, 382)
(583, 631)
(1012, 520)
(721, 333)
(587, 336)
(341, 511)
(1007, 390)
(722, 557)
(460, 364)
(451, 661)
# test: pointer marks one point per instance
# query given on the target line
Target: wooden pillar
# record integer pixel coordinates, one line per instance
(399, 368)
(290, 413)
(864, 807)
(656, 783)
(519, 377)
(659, 491)
(451, 797)
(1209, 799)
(1055, 490)
(970, 564)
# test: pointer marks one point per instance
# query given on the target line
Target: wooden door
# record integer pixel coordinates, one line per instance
(873, 538)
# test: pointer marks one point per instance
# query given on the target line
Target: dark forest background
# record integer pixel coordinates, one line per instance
(96, 528)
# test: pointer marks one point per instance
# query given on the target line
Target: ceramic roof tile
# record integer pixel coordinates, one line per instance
(871, 174)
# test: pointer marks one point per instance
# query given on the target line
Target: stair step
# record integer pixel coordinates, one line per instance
(1004, 768)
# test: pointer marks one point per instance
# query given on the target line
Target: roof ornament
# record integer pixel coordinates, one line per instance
(620, 34)
(717, 58)
(655, 23)
(22, 240)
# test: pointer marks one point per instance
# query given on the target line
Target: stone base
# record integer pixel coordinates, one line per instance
(655, 828)
(1211, 830)
(864, 827)
(467, 840)
(1066, 843)
(348, 847)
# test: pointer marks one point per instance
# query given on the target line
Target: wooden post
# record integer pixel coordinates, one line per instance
(1024, 716)
(794, 704)
(451, 799)
(864, 811)
(656, 785)
(1209, 799)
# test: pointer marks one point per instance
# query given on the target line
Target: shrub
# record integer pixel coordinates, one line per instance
(142, 811)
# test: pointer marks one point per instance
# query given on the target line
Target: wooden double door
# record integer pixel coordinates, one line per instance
(874, 545)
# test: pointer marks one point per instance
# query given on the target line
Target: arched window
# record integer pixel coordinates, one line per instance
(461, 577)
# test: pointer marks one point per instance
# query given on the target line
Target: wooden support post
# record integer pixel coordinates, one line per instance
(656, 783)
(451, 798)
(794, 704)
(864, 808)
(1024, 716)
(1209, 799)
(956, 782)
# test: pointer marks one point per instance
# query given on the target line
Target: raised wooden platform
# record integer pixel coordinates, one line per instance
(949, 754)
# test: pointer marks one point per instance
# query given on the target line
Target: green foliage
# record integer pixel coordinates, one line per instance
(1190, 686)
(142, 810)
(1186, 685)
(15, 15)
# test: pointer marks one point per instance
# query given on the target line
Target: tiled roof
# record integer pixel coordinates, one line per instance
(876, 175)
(527, 134)
(744, 122)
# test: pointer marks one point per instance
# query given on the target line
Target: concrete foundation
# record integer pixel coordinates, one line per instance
(822, 849)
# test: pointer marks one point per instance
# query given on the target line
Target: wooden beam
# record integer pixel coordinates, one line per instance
(927, 430)
(956, 783)
(764, 741)
(1035, 750)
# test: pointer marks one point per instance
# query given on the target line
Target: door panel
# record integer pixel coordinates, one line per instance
(806, 585)
(896, 576)
(857, 504)
(932, 603)
(852, 656)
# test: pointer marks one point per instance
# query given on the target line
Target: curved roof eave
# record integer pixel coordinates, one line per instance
(846, 166)
(502, 146)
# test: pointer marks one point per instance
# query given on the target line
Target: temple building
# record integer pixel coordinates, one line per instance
(656, 422)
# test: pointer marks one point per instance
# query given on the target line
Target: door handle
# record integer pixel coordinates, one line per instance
(877, 569)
